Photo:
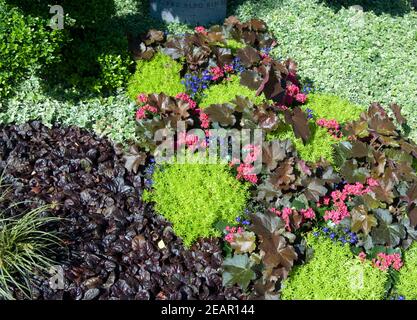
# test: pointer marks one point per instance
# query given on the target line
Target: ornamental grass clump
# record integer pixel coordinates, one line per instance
(24, 251)
(193, 197)
(333, 273)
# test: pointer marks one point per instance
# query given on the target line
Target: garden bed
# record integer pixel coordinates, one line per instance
(228, 174)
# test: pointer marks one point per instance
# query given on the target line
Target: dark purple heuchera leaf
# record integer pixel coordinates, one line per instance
(283, 176)
(251, 79)
(299, 122)
(248, 56)
(271, 84)
(134, 158)
(361, 220)
(387, 232)
(314, 189)
(274, 152)
(274, 249)
(221, 113)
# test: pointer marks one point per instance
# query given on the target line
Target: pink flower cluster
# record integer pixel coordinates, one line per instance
(204, 120)
(333, 127)
(141, 112)
(188, 139)
(293, 92)
(286, 213)
(245, 172)
(245, 169)
(201, 29)
(384, 261)
(340, 210)
(185, 97)
(231, 232)
(216, 73)
(142, 98)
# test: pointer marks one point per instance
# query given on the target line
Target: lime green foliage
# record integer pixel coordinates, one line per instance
(193, 197)
(25, 43)
(351, 54)
(319, 145)
(334, 273)
(407, 281)
(332, 107)
(234, 45)
(227, 91)
(160, 74)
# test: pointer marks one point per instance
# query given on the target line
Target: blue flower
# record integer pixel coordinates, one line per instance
(325, 230)
(316, 234)
(332, 235)
(401, 298)
(346, 230)
(237, 219)
(309, 113)
(246, 222)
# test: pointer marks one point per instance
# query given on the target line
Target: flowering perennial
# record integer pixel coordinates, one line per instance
(384, 261)
(333, 127)
(231, 231)
(340, 210)
(286, 213)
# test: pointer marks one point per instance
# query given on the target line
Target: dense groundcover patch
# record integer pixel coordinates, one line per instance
(329, 186)
(116, 247)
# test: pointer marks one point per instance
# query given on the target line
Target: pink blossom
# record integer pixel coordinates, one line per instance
(384, 261)
(204, 119)
(185, 97)
(201, 29)
(308, 213)
(140, 114)
(293, 90)
(362, 256)
(143, 98)
(372, 182)
(245, 172)
(332, 126)
(282, 107)
(150, 108)
(228, 68)
(301, 97)
(216, 73)
(254, 152)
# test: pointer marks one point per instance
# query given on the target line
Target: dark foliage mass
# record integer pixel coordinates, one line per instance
(115, 246)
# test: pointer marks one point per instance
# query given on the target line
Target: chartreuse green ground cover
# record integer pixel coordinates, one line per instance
(161, 74)
(320, 144)
(364, 57)
(227, 91)
(333, 273)
(407, 280)
(194, 197)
